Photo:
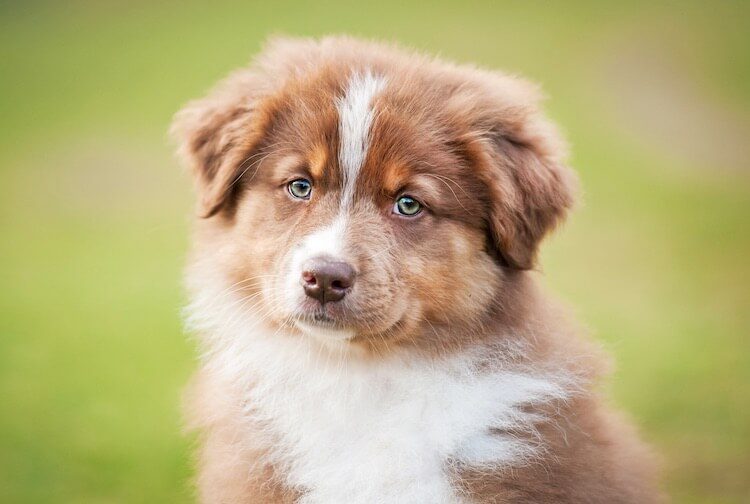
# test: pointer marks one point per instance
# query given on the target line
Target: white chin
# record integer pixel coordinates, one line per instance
(324, 332)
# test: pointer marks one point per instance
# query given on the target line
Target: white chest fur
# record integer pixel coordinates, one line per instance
(346, 431)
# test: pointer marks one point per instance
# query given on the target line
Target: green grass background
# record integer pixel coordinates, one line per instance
(94, 212)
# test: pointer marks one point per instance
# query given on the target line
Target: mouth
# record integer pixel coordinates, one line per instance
(321, 325)
(323, 318)
(326, 331)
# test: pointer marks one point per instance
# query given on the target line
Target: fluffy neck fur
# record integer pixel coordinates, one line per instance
(342, 428)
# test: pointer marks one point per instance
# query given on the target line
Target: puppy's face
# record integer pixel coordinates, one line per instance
(354, 203)
(361, 221)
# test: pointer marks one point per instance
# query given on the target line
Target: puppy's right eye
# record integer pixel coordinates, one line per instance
(300, 188)
(407, 206)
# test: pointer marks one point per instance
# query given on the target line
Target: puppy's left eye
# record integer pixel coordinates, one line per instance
(300, 188)
(408, 206)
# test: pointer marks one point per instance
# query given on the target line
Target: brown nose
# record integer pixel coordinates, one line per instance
(327, 279)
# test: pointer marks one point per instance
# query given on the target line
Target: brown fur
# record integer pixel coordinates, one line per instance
(474, 148)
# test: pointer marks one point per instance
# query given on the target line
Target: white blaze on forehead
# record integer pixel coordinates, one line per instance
(355, 119)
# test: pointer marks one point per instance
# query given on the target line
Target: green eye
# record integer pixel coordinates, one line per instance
(408, 206)
(300, 188)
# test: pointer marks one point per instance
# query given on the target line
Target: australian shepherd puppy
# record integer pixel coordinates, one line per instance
(363, 290)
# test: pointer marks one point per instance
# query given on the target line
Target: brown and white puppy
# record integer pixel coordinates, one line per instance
(360, 281)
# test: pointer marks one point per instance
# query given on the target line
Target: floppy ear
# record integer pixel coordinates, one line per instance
(215, 135)
(530, 198)
(521, 159)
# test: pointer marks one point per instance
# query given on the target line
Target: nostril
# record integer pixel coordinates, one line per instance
(339, 284)
(309, 278)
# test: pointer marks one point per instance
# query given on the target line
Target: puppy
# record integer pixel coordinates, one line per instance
(361, 285)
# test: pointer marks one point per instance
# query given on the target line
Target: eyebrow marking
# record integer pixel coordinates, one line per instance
(318, 158)
(355, 119)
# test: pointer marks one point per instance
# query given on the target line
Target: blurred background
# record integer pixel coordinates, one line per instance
(94, 215)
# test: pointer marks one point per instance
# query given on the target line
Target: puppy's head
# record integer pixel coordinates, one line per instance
(350, 191)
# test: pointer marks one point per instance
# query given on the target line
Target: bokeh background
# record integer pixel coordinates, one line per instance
(94, 215)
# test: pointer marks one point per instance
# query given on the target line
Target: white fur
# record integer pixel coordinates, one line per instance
(351, 431)
(355, 119)
(326, 335)
(326, 241)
